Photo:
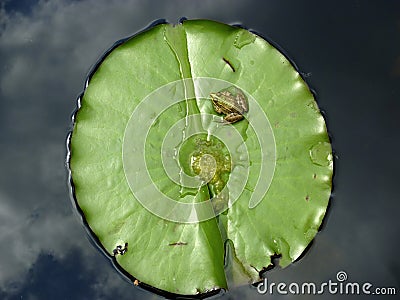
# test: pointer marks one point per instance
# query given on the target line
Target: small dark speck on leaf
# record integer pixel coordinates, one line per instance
(120, 249)
(307, 198)
(229, 63)
(315, 176)
(178, 244)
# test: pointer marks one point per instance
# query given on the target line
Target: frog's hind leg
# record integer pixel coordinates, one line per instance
(233, 117)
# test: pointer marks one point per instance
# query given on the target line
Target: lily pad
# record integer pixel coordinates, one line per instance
(169, 188)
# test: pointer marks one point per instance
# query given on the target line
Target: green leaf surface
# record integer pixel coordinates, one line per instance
(188, 258)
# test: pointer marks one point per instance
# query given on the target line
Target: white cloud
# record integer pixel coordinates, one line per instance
(23, 236)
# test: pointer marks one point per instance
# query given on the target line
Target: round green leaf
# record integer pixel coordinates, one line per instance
(169, 203)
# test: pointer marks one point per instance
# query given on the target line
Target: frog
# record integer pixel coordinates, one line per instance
(231, 102)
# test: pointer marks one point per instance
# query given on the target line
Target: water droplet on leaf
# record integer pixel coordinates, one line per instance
(321, 154)
(244, 38)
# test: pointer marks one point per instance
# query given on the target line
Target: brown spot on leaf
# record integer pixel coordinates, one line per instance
(178, 244)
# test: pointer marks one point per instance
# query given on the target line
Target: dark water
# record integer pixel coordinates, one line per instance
(351, 53)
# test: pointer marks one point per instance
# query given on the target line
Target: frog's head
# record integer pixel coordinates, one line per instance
(216, 96)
